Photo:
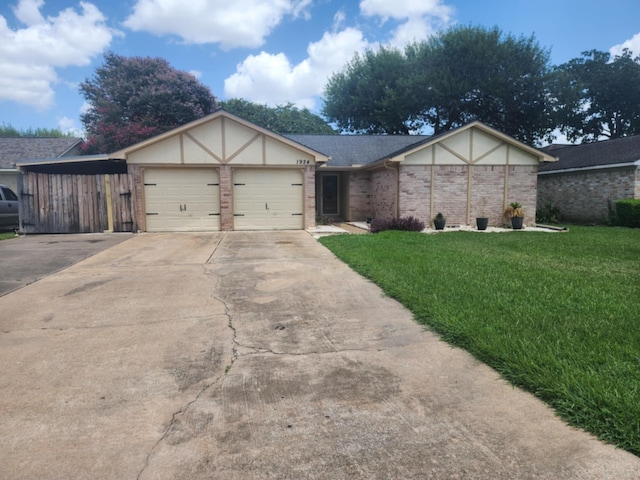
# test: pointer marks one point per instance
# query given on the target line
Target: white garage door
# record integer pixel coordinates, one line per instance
(184, 200)
(266, 199)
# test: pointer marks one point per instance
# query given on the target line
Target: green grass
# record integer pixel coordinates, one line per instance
(7, 235)
(557, 314)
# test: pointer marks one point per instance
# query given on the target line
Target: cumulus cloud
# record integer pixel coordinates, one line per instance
(271, 79)
(238, 23)
(420, 17)
(30, 55)
(633, 44)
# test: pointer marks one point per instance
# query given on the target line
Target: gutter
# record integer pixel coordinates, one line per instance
(595, 167)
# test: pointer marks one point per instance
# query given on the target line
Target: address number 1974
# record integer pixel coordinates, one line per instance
(302, 161)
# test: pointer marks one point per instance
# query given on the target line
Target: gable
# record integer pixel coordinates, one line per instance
(470, 146)
(220, 139)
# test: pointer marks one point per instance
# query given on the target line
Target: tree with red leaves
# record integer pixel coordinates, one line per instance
(134, 98)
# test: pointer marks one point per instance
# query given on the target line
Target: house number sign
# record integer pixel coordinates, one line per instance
(302, 161)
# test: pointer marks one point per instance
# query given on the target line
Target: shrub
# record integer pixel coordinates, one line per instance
(409, 224)
(549, 213)
(628, 212)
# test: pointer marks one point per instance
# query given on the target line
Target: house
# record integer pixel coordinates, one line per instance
(223, 173)
(17, 148)
(588, 178)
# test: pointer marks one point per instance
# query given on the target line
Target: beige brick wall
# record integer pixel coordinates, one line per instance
(487, 193)
(583, 196)
(226, 198)
(522, 188)
(450, 193)
(415, 192)
(383, 193)
(309, 175)
(360, 207)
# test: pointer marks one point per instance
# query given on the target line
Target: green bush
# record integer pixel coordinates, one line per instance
(628, 212)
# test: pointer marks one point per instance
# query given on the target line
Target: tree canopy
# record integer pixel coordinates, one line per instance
(463, 74)
(598, 96)
(133, 98)
(281, 119)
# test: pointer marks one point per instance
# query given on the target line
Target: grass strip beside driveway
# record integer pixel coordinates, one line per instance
(556, 314)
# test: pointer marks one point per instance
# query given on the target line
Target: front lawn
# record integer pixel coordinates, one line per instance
(557, 314)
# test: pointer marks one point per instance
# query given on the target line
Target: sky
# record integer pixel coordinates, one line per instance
(266, 51)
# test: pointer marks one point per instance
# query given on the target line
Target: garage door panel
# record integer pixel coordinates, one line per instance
(182, 200)
(268, 199)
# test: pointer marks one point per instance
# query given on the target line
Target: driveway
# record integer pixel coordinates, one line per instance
(256, 356)
(26, 259)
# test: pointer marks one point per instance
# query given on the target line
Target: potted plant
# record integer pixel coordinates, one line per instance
(483, 221)
(439, 221)
(515, 215)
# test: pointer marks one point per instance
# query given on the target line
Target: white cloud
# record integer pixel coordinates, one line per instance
(30, 55)
(421, 17)
(237, 23)
(271, 79)
(633, 44)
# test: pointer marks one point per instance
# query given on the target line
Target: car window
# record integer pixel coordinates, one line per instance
(9, 195)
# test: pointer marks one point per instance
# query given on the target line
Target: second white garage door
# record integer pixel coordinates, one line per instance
(182, 200)
(266, 199)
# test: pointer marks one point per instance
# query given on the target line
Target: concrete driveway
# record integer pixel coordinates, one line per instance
(256, 356)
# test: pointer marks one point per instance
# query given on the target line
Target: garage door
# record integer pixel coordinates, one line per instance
(185, 200)
(266, 199)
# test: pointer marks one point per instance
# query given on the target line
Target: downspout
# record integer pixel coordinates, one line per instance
(397, 200)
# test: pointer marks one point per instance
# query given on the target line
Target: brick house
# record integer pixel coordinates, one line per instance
(587, 178)
(224, 173)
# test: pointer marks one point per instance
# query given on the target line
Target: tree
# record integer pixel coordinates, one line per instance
(463, 74)
(281, 119)
(371, 95)
(134, 98)
(597, 96)
(8, 130)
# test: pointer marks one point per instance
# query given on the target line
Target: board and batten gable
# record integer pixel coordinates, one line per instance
(227, 144)
(471, 172)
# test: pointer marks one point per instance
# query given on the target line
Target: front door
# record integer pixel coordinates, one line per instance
(330, 191)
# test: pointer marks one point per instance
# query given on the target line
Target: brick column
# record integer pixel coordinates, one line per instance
(226, 198)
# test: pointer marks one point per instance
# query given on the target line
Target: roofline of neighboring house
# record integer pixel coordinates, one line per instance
(593, 167)
(320, 157)
(79, 141)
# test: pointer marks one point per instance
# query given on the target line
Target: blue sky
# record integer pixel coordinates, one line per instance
(267, 51)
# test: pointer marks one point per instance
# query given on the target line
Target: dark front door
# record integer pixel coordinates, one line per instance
(330, 195)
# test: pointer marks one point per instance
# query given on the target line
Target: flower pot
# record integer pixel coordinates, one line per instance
(439, 224)
(482, 223)
(516, 222)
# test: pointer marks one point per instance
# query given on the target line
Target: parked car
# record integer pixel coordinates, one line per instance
(8, 207)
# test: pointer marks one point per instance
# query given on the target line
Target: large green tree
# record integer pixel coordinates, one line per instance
(371, 94)
(281, 119)
(463, 74)
(598, 96)
(133, 98)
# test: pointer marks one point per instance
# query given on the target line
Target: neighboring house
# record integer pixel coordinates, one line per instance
(13, 149)
(224, 173)
(588, 178)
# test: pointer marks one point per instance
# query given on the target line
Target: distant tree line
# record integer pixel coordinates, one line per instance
(7, 130)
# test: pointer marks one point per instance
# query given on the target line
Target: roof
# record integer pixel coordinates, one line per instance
(620, 151)
(350, 150)
(13, 149)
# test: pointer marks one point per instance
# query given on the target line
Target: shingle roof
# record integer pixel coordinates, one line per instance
(608, 152)
(349, 150)
(18, 148)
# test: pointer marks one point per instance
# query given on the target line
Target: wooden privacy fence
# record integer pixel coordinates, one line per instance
(75, 203)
